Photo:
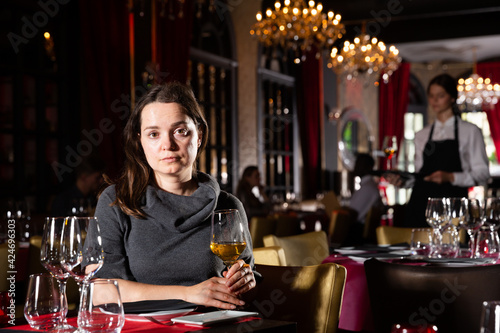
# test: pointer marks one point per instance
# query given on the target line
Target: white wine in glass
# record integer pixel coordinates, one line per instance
(390, 147)
(227, 240)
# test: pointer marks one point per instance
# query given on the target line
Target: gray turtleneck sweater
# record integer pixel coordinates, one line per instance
(172, 245)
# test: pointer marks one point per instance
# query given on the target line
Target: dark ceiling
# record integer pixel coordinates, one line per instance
(398, 21)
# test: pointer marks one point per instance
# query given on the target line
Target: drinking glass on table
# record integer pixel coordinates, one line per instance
(421, 242)
(50, 257)
(487, 244)
(492, 213)
(227, 240)
(82, 254)
(101, 308)
(44, 309)
(449, 243)
(490, 317)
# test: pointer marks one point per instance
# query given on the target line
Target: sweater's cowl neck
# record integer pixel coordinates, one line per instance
(186, 212)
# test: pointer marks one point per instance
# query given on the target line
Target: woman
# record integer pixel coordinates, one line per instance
(156, 219)
(254, 205)
(450, 153)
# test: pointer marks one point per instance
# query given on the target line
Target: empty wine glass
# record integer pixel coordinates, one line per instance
(472, 221)
(490, 317)
(487, 244)
(50, 257)
(390, 147)
(227, 240)
(492, 213)
(101, 308)
(82, 254)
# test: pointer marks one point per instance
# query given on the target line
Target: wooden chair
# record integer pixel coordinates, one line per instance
(301, 250)
(340, 223)
(270, 255)
(310, 296)
(260, 227)
(448, 297)
(330, 202)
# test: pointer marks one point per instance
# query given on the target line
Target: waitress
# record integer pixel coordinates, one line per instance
(450, 153)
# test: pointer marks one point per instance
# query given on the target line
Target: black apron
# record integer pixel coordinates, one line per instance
(438, 155)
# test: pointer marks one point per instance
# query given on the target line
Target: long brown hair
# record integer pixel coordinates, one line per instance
(137, 173)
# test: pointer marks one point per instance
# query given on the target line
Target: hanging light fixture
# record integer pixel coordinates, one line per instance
(365, 56)
(298, 27)
(476, 92)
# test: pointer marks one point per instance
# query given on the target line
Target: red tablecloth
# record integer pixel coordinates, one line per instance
(143, 326)
(356, 313)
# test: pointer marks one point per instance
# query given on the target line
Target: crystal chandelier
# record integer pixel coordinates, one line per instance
(365, 56)
(476, 92)
(298, 27)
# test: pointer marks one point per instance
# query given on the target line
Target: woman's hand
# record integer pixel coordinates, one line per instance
(214, 292)
(440, 177)
(240, 278)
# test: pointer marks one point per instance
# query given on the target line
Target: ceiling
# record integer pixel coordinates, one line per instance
(425, 30)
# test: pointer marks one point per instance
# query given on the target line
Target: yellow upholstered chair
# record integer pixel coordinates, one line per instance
(260, 227)
(387, 235)
(310, 296)
(271, 255)
(330, 202)
(301, 250)
(340, 222)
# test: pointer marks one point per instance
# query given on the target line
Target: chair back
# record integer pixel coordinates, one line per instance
(260, 227)
(340, 223)
(271, 255)
(387, 235)
(372, 222)
(287, 225)
(448, 297)
(310, 296)
(330, 202)
(301, 250)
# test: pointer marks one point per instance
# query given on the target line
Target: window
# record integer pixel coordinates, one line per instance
(212, 76)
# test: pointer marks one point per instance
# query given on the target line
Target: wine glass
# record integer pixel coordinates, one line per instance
(227, 240)
(492, 213)
(437, 216)
(390, 147)
(472, 222)
(50, 257)
(490, 317)
(82, 254)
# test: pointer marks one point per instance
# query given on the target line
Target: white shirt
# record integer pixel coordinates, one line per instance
(471, 148)
(367, 196)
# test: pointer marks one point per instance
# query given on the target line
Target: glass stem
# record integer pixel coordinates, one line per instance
(64, 300)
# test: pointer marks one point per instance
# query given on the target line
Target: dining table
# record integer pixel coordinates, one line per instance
(356, 313)
(253, 323)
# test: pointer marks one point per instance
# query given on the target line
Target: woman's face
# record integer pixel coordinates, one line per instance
(439, 100)
(254, 178)
(170, 141)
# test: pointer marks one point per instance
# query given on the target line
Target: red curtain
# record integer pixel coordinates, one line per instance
(393, 103)
(173, 42)
(104, 35)
(492, 71)
(310, 106)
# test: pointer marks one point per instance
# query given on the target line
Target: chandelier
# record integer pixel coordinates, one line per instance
(365, 56)
(476, 92)
(298, 27)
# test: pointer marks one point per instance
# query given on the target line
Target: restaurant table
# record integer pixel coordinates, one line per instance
(356, 314)
(251, 324)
